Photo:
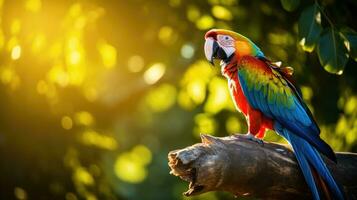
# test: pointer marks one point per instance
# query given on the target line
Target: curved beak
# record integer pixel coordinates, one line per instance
(213, 50)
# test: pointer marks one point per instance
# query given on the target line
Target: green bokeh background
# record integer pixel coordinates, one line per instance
(94, 94)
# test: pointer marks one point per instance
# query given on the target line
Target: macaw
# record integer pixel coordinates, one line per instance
(267, 96)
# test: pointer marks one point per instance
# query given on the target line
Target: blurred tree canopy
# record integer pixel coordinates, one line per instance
(94, 93)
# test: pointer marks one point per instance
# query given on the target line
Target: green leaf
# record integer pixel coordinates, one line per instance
(309, 27)
(290, 5)
(332, 52)
(351, 38)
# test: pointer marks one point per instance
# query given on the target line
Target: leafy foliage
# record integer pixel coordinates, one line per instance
(351, 37)
(310, 28)
(332, 51)
(290, 5)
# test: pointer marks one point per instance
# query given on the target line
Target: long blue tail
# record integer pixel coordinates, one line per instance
(309, 159)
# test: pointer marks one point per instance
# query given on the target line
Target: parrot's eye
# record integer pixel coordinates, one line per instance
(225, 40)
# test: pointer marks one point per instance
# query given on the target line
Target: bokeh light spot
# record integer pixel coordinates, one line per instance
(82, 176)
(204, 123)
(108, 54)
(20, 193)
(351, 106)
(42, 87)
(193, 13)
(91, 94)
(93, 138)
(84, 118)
(131, 166)
(219, 97)
(307, 93)
(161, 98)
(154, 73)
(196, 89)
(67, 122)
(38, 42)
(167, 35)
(16, 52)
(221, 12)
(233, 125)
(7, 75)
(129, 171)
(33, 5)
(11, 43)
(135, 63)
(205, 22)
(70, 196)
(75, 10)
(187, 51)
(142, 154)
(15, 26)
(59, 76)
(74, 57)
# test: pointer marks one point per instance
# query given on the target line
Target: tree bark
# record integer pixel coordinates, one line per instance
(246, 168)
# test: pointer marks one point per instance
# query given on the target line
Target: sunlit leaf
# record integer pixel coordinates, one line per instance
(351, 37)
(290, 5)
(309, 28)
(332, 52)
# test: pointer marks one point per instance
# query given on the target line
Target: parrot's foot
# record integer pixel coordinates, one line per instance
(249, 136)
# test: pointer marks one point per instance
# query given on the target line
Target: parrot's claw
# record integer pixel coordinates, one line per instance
(249, 136)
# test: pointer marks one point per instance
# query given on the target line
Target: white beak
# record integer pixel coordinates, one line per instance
(209, 49)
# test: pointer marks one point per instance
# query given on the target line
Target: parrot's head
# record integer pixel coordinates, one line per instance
(224, 45)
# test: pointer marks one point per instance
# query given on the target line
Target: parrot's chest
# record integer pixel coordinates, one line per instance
(237, 95)
(231, 73)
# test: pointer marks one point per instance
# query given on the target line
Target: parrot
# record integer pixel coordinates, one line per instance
(266, 94)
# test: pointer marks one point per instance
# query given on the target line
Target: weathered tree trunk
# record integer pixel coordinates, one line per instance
(246, 168)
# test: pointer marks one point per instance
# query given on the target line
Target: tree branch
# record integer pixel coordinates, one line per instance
(246, 168)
